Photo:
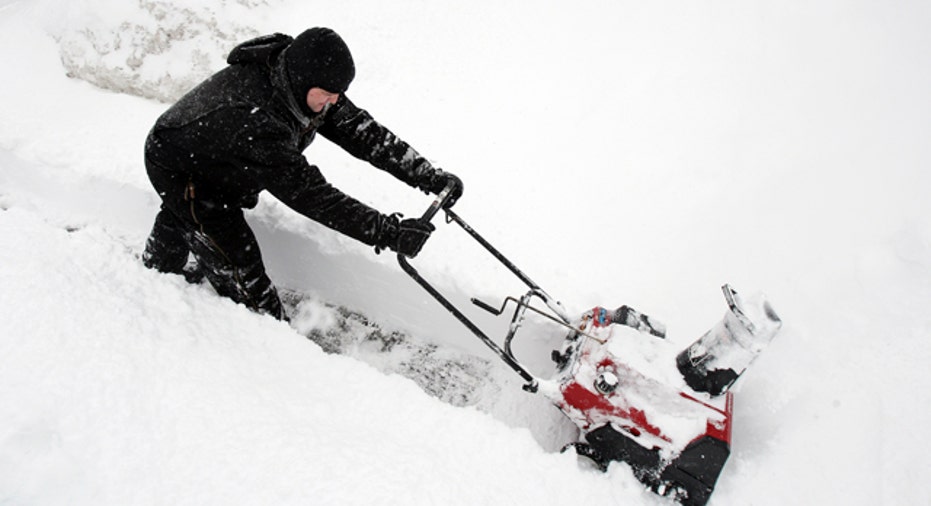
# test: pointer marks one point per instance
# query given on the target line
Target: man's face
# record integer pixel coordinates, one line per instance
(318, 98)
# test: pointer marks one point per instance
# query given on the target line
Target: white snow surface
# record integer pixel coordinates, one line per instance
(619, 152)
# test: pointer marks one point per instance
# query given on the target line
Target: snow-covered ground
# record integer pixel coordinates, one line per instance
(618, 152)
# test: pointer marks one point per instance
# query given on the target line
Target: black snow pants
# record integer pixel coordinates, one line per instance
(218, 236)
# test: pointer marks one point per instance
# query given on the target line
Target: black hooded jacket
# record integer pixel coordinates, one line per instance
(243, 131)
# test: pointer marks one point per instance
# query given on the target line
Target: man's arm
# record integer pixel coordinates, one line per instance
(285, 173)
(265, 153)
(357, 132)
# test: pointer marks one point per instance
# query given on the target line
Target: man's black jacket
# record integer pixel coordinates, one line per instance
(243, 131)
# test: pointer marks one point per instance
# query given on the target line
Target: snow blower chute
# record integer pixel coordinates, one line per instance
(635, 399)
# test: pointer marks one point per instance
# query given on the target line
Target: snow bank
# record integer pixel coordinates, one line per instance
(122, 386)
(159, 50)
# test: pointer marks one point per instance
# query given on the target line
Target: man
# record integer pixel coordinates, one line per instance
(243, 131)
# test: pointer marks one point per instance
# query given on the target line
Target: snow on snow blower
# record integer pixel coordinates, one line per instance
(635, 399)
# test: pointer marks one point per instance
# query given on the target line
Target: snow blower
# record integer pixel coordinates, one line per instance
(665, 413)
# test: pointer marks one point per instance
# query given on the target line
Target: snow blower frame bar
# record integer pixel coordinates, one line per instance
(523, 304)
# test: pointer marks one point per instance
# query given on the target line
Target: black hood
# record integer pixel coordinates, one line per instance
(263, 49)
(317, 58)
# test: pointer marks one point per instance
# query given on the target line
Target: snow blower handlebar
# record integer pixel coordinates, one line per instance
(561, 316)
(439, 202)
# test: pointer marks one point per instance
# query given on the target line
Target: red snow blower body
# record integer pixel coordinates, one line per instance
(667, 413)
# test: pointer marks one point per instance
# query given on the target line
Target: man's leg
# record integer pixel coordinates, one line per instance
(228, 254)
(219, 237)
(166, 249)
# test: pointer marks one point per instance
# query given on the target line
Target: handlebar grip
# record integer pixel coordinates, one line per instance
(438, 203)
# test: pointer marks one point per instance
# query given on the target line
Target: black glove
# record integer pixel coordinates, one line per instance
(440, 180)
(406, 237)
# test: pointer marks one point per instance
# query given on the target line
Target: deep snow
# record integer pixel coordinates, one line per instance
(620, 153)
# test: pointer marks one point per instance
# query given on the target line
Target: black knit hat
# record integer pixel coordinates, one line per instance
(318, 58)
